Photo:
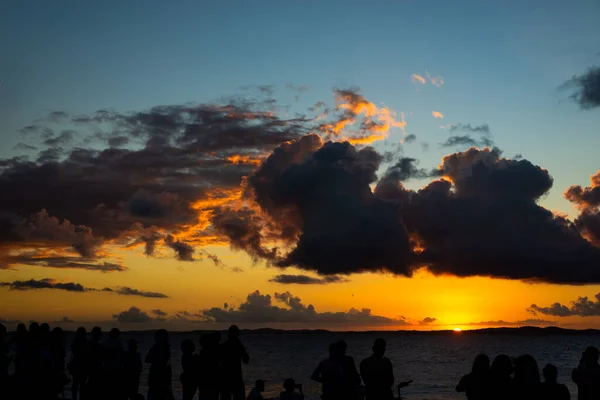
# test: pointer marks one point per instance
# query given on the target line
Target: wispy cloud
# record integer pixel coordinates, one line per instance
(437, 115)
(306, 279)
(416, 78)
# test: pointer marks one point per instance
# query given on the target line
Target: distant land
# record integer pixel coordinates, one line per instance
(524, 331)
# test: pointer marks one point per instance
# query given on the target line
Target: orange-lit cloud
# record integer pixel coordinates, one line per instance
(415, 78)
(435, 80)
(437, 114)
(243, 159)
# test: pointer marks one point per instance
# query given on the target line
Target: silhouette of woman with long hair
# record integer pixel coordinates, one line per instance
(587, 375)
(475, 383)
(527, 378)
(501, 383)
(159, 376)
(78, 364)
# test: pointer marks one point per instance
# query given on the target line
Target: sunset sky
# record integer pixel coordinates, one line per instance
(319, 164)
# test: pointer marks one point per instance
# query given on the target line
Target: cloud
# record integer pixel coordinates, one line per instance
(133, 315)
(437, 115)
(587, 200)
(415, 78)
(25, 147)
(44, 284)
(582, 307)
(184, 251)
(127, 291)
(410, 138)
(483, 128)
(259, 308)
(501, 323)
(435, 80)
(427, 321)
(306, 280)
(48, 283)
(587, 88)
(466, 141)
(159, 313)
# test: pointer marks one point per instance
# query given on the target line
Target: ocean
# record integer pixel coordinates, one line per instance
(434, 362)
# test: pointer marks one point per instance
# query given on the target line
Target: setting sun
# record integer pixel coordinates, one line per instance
(457, 330)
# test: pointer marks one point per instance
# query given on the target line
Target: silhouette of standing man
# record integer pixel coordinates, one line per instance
(587, 375)
(377, 373)
(233, 354)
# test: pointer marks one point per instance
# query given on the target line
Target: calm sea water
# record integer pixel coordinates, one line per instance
(435, 363)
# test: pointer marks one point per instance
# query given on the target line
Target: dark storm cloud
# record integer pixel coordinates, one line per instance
(306, 280)
(427, 321)
(587, 197)
(48, 283)
(404, 169)
(483, 128)
(34, 258)
(466, 141)
(258, 308)
(582, 307)
(410, 138)
(24, 146)
(587, 88)
(480, 218)
(133, 315)
(324, 190)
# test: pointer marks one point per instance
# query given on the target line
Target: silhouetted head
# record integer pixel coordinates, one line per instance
(591, 354)
(233, 332)
(342, 346)
(114, 333)
(550, 373)
(132, 345)
(501, 366)
(96, 334)
(45, 329)
(481, 364)
(379, 347)
(526, 370)
(187, 346)
(333, 349)
(289, 385)
(161, 336)
(21, 329)
(2, 332)
(34, 328)
(260, 385)
(57, 336)
(80, 333)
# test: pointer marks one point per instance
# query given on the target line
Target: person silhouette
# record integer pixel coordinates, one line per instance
(113, 365)
(4, 358)
(132, 369)
(208, 367)
(95, 358)
(475, 383)
(289, 393)
(189, 366)
(501, 384)
(527, 383)
(377, 373)
(159, 376)
(78, 364)
(551, 389)
(58, 352)
(351, 378)
(257, 390)
(233, 354)
(587, 375)
(330, 374)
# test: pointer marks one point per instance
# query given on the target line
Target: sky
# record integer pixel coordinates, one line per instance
(397, 165)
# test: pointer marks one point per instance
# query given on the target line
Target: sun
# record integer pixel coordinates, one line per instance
(457, 330)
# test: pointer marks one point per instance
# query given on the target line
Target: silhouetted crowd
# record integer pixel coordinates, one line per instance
(105, 369)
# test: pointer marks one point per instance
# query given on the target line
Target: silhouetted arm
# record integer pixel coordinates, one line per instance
(245, 356)
(353, 373)
(389, 373)
(364, 374)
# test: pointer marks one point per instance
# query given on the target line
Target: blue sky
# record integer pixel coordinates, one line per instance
(502, 63)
